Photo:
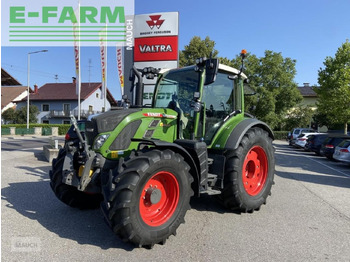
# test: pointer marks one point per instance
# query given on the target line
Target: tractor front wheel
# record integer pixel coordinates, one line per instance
(249, 172)
(147, 197)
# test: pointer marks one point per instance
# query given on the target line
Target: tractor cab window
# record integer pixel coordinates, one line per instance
(218, 99)
(175, 90)
(177, 86)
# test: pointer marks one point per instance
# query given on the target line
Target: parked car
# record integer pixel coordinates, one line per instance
(342, 151)
(292, 135)
(328, 146)
(314, 142)
(301, 140)
(71, 135)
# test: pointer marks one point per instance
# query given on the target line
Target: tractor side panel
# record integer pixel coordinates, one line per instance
(224, 132)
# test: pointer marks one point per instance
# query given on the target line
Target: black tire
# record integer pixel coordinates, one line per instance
(70, 195)
(147, 197)
(249, 172)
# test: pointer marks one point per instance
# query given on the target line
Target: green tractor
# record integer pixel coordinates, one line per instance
(142, 165)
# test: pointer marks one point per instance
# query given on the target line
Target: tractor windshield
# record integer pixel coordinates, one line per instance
(177, 86)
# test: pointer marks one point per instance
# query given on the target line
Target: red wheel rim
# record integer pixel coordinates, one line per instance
(255, 168)
(159, 198)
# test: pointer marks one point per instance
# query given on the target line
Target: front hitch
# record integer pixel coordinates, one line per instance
(90, 157)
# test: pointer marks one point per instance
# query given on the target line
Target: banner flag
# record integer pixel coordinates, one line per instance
(103, 53)
(120, 64)
(77, 56)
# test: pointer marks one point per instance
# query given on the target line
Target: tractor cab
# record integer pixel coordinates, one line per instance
(205, 96)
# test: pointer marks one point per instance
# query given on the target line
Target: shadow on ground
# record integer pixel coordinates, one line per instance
(36, 201)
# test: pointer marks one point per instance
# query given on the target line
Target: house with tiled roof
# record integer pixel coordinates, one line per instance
(7, 79)
(12, 91)
(11, 95)
(308, 94)
(57, 101)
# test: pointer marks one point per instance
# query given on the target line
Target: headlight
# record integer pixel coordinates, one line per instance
(100, 141)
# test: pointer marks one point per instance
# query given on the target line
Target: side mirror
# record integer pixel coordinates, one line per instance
(211, 70)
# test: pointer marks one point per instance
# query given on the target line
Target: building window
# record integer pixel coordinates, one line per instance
(66, 109)
(66, 122)
(46, 122)
(103, 109)
(45, 107)
(97, 95)
(91, 108)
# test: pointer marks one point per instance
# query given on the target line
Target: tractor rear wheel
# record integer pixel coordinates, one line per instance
(147, 197)
(70, 195)
(249, 172)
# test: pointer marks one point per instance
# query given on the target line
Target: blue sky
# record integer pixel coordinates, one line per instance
(305, 30)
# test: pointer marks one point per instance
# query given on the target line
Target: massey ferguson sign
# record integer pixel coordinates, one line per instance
(156, 37)
(156, 45)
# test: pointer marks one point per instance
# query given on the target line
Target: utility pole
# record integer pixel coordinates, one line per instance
(89, 66)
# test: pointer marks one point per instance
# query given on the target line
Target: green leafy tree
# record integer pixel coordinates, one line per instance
(334, 91)
(21, 115)
(197, 48)
(300, 116)
(9, 115)
(272, 77)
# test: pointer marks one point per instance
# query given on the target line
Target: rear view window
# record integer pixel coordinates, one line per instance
(345, 143)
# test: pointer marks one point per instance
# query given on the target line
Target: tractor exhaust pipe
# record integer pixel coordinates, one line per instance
(139, 87)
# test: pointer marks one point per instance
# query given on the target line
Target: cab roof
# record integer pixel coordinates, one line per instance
(222, 67)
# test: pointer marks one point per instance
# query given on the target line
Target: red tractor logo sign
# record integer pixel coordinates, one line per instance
(155, 21)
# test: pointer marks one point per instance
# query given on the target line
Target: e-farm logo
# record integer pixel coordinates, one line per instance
(62, 23)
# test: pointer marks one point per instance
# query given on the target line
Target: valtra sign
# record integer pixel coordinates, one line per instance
(155, 45)
(156, 48)
(156, 37)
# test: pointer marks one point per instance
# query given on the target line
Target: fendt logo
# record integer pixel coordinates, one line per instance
(155, 21)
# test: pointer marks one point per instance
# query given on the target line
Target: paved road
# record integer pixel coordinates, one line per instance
(307, 218)
(27, 142)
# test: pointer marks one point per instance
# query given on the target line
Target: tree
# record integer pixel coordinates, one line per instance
(334, 91)
(300, 116)
(9, 115)
(21, 115)
(197, 48)
(272, 77)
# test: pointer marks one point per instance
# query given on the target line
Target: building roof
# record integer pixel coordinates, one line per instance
(307, 91)
(10, 93)
(8, 80)
(67, 91)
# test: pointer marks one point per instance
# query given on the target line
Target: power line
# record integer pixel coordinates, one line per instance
(34, 72)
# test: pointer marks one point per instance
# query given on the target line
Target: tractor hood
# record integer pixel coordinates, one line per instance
(106, 122)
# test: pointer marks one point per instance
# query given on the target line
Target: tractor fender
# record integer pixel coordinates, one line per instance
(238, 132)
(177, 149)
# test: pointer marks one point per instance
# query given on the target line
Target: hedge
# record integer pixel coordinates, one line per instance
(280, 135)
(62, 128)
